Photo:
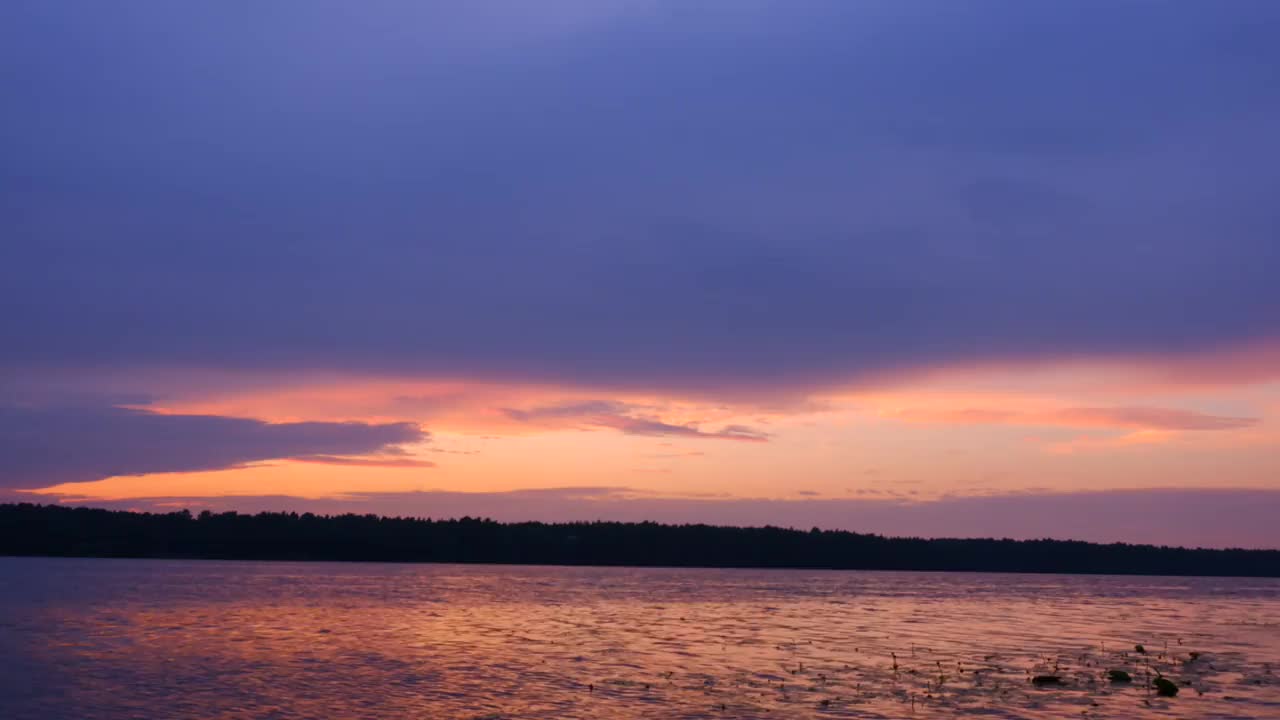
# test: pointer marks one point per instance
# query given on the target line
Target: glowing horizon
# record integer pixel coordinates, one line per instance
(940, 437)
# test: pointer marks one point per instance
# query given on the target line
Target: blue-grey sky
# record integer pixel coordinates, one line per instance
(637, 192)
(714, 201)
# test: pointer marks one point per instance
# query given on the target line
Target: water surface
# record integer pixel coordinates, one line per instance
(114, 639)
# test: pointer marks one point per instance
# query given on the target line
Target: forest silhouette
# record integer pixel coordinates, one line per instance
(53, 530)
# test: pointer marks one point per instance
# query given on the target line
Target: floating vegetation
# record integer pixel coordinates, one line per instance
(1164, 686)
(1043, 680)
(1119, 676)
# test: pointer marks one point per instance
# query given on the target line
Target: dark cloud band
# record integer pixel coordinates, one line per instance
(48, 446)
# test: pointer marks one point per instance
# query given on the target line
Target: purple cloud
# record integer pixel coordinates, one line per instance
(621, 417)
(576, 410)
(41, 446)
(638, 426)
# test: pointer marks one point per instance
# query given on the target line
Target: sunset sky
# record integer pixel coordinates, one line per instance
(920, 268)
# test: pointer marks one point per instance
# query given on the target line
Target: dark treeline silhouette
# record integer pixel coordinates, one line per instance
(54, 530)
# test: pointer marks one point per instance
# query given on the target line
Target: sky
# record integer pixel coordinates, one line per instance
(991, 268)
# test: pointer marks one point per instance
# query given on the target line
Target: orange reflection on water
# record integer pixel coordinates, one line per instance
(232, 640)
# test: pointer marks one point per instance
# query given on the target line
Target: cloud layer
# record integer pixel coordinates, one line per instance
(726, 195)
(48, 446)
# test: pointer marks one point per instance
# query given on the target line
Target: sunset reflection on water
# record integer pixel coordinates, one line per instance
(169, 639)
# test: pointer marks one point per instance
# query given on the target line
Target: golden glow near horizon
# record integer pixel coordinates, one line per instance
(1058, 428)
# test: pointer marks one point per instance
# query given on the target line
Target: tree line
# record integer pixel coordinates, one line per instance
(54, 530)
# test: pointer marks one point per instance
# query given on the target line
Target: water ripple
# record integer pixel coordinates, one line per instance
(114, 639)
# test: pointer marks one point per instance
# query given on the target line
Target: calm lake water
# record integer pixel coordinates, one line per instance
(118, 639)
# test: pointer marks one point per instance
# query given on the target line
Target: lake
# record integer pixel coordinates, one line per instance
(114, 639)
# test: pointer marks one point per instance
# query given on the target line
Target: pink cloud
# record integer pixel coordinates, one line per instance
(1151, 418)
(1141, 418)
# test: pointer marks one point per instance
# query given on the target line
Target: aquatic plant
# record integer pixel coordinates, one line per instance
(1119, 676)
(1164, 686)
